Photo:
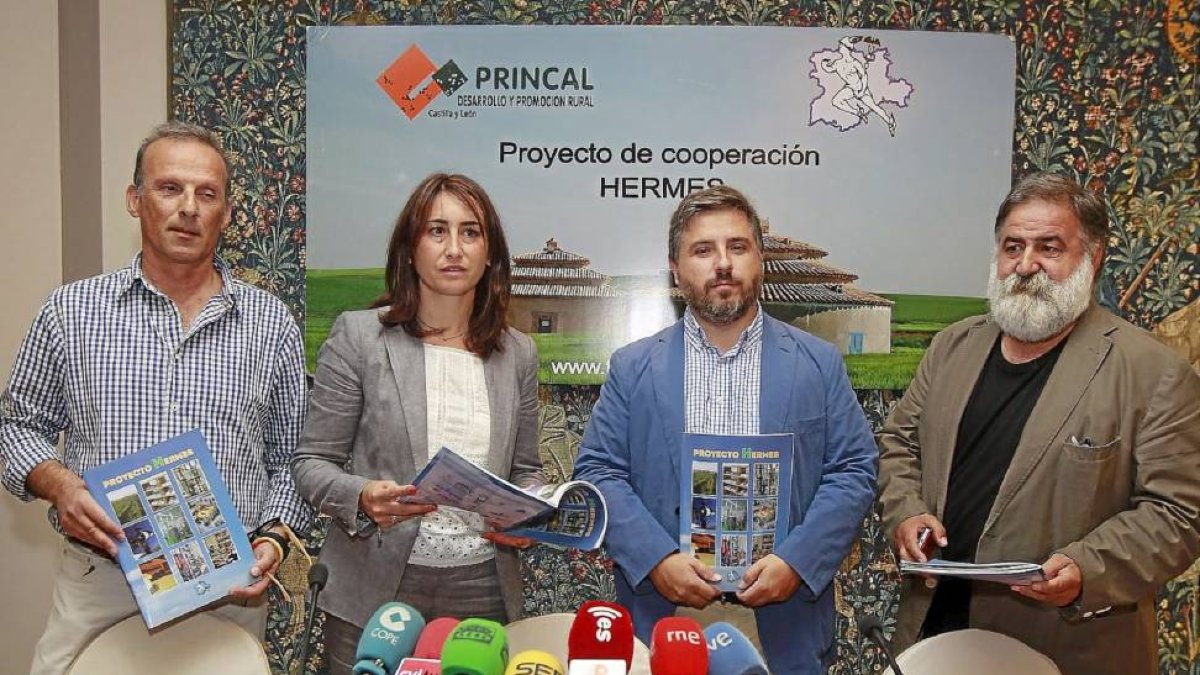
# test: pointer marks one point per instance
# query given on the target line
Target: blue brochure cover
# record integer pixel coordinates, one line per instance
(734, 496)
(185, 546)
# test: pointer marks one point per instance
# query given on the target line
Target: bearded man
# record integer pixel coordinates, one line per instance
(1048, 431)
(727, 368)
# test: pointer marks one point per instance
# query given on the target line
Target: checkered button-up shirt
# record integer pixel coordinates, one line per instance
(721, 391)
(108, 364)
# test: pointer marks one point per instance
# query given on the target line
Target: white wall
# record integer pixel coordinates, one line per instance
(133, 98)
(31, 257)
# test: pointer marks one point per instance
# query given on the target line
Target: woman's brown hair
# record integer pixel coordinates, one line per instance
(402, 296)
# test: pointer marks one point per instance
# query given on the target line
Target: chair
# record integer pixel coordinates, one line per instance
(202, 644)
(549, 633)
(973, 651)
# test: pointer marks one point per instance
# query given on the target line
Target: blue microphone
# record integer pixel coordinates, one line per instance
(387, 639)
(731, 653)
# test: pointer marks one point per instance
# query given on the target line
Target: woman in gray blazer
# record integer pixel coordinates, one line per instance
(434, 364)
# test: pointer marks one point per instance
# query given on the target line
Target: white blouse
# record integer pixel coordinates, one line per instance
(459, 418)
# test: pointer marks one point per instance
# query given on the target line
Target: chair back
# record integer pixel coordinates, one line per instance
(201, 644)
(973, 652)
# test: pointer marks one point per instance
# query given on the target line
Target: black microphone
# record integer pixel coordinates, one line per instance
(869, 626)
(318, 574)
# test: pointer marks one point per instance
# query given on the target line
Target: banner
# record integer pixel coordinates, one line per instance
(877, 160)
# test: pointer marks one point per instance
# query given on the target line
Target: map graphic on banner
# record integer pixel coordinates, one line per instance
(870, 156)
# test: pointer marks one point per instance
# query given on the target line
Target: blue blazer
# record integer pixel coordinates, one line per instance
(631, 452)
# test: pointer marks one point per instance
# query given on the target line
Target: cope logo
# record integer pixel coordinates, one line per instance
(395, 619)
(400, 81)
(604, 617)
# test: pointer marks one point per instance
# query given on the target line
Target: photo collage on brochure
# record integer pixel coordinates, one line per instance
(173, 527)
(733, 512)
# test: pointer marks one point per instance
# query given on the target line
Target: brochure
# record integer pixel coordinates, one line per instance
(739, 490)
(1009, 573)
(571, 515)
(185, 546)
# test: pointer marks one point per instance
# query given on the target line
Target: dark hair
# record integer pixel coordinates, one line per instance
(181, 131)
(715, 198)
(402, 296)
(1051, 187)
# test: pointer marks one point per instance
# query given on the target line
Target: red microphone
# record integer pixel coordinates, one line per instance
(433, 638)
(601, 639)
(678, 647)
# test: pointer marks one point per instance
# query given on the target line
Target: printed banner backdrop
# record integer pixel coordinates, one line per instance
(862, 150)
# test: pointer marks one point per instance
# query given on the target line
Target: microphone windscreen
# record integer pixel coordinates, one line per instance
(868, 623)
(475, 647)
(534, 662)
(433, 638)
(318, 575)
(678, 647)
(387, 639)
(731, 653)
(601, 631)
(415, 666)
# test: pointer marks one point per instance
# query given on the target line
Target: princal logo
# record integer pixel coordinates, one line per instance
(401, 79)
(414, 82)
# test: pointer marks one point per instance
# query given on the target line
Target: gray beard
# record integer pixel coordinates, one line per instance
(1036, 308)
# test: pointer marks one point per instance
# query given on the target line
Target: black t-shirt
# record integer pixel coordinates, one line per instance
(988, 434)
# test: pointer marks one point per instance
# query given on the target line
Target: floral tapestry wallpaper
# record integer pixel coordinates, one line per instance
(1106, 91)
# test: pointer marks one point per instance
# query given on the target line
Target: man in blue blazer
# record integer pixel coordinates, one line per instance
(728, 368)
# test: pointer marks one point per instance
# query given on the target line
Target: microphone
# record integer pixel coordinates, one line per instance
(387, 639)
(433, 638)
(534, 662)
(415, 666)
(678, 647)
(475, 647)
(601, 639)
(731, 653)
(318, 575)
(869, 625)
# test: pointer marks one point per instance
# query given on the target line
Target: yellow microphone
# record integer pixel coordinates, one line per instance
(534, 662)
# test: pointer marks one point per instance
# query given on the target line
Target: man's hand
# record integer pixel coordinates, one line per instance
(78, 514)
(684, 580)
(768, 580)
(266, 561)
(906, 537)
(379, 501)
(1063, 584)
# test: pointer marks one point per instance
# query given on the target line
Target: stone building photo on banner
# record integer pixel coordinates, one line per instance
(587, 138)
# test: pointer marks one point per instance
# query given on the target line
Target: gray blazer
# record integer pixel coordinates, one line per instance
(367, 421)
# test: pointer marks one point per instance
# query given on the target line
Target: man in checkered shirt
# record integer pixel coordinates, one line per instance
(125, 360)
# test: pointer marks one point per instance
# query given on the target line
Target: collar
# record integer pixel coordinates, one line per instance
(229, 294)
(696, 338)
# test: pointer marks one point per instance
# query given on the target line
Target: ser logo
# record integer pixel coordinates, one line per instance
(400, 81)
(604, 617)
(533, 669)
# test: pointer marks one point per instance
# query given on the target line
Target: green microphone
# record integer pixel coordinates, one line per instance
(475, 647)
